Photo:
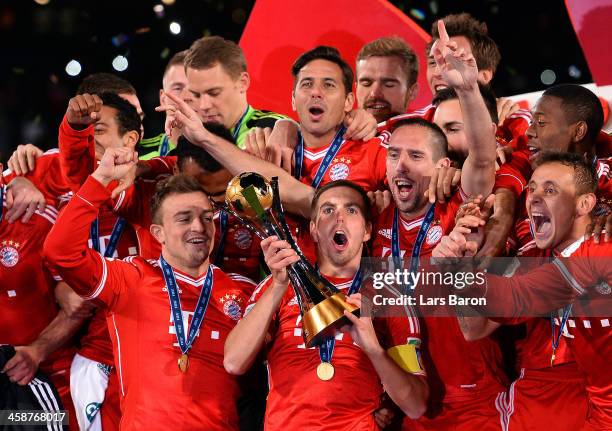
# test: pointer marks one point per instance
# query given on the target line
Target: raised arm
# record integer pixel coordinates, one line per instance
(460, 71)
(246, 340)
(66, 250)
(296, 196)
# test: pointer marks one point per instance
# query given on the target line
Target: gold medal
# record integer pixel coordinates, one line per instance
(325, 371)
(552, 359)
(183, 362)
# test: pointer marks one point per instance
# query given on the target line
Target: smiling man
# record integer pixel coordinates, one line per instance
(169, 316)
(387, 71)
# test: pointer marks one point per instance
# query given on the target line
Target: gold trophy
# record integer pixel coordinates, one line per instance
(255, 201)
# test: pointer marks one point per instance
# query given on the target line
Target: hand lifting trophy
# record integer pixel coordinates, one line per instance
(255, 201)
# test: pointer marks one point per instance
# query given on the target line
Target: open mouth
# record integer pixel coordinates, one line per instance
(533, 151)
(340, 240)
(377, 105)
(316, 112)
(440, 87)
(542, 224)
(196, 241)
(404, 188)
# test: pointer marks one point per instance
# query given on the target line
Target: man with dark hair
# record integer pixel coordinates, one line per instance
(387, 72)
(203, 302)
(217, 80)
(272, 323)
(174, 81)
(567, 118)
(409, 229)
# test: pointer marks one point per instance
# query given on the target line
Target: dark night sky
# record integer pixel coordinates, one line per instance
(36, 43)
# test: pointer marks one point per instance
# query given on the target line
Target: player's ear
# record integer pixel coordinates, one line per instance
(158, 233)
(244, 81)
(313, 231)
(368, 232)
(349, 102)
(444, 162)
(293, 101)
(585, 203)
(130, 139)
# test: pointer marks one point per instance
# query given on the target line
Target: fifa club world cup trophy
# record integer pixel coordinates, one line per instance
(255, 201)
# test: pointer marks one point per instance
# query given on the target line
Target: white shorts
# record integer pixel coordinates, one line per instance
(88, 382)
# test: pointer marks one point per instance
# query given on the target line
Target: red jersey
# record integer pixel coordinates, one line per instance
(135, 296)
(297, 398)
(463, 370)
(443, 222)
(603, 145)
(363, 163)
(27, 298)
(554, 286)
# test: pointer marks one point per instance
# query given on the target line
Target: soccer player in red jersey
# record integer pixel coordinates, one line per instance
(386, 77)
(302, 397)
(31, 319)
(561, 196)
(580, 268)
(153, 304)
(92, 124)
(567, 118)
(469, 376)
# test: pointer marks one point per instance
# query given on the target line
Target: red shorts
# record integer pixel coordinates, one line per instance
(464, 415)
(540, 398)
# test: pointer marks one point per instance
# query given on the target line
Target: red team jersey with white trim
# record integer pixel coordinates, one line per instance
(297, 398)
(463, 370)
(588, 270)
(153, 389)
(27, 298)
(363, 163)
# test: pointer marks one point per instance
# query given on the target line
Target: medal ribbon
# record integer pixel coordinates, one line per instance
(223, 217)
(326, 348)
(556, 338)
(177, 311)
(94, 233)
(416, 249)
(324, 166)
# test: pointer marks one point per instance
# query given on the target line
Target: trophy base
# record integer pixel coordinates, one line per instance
(326, 318)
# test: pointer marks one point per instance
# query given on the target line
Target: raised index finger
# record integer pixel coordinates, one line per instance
(442, 31)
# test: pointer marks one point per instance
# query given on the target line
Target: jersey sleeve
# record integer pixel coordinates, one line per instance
(77, 153)
(514, 174)
(133, 204)
(159, 166)
(89, 274)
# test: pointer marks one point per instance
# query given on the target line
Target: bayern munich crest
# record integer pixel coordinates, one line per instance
(434, 234)
(339, 171)
(231, 306)
(9, 256)
(243, 238)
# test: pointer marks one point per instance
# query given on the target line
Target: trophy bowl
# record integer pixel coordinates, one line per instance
(255, 201)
